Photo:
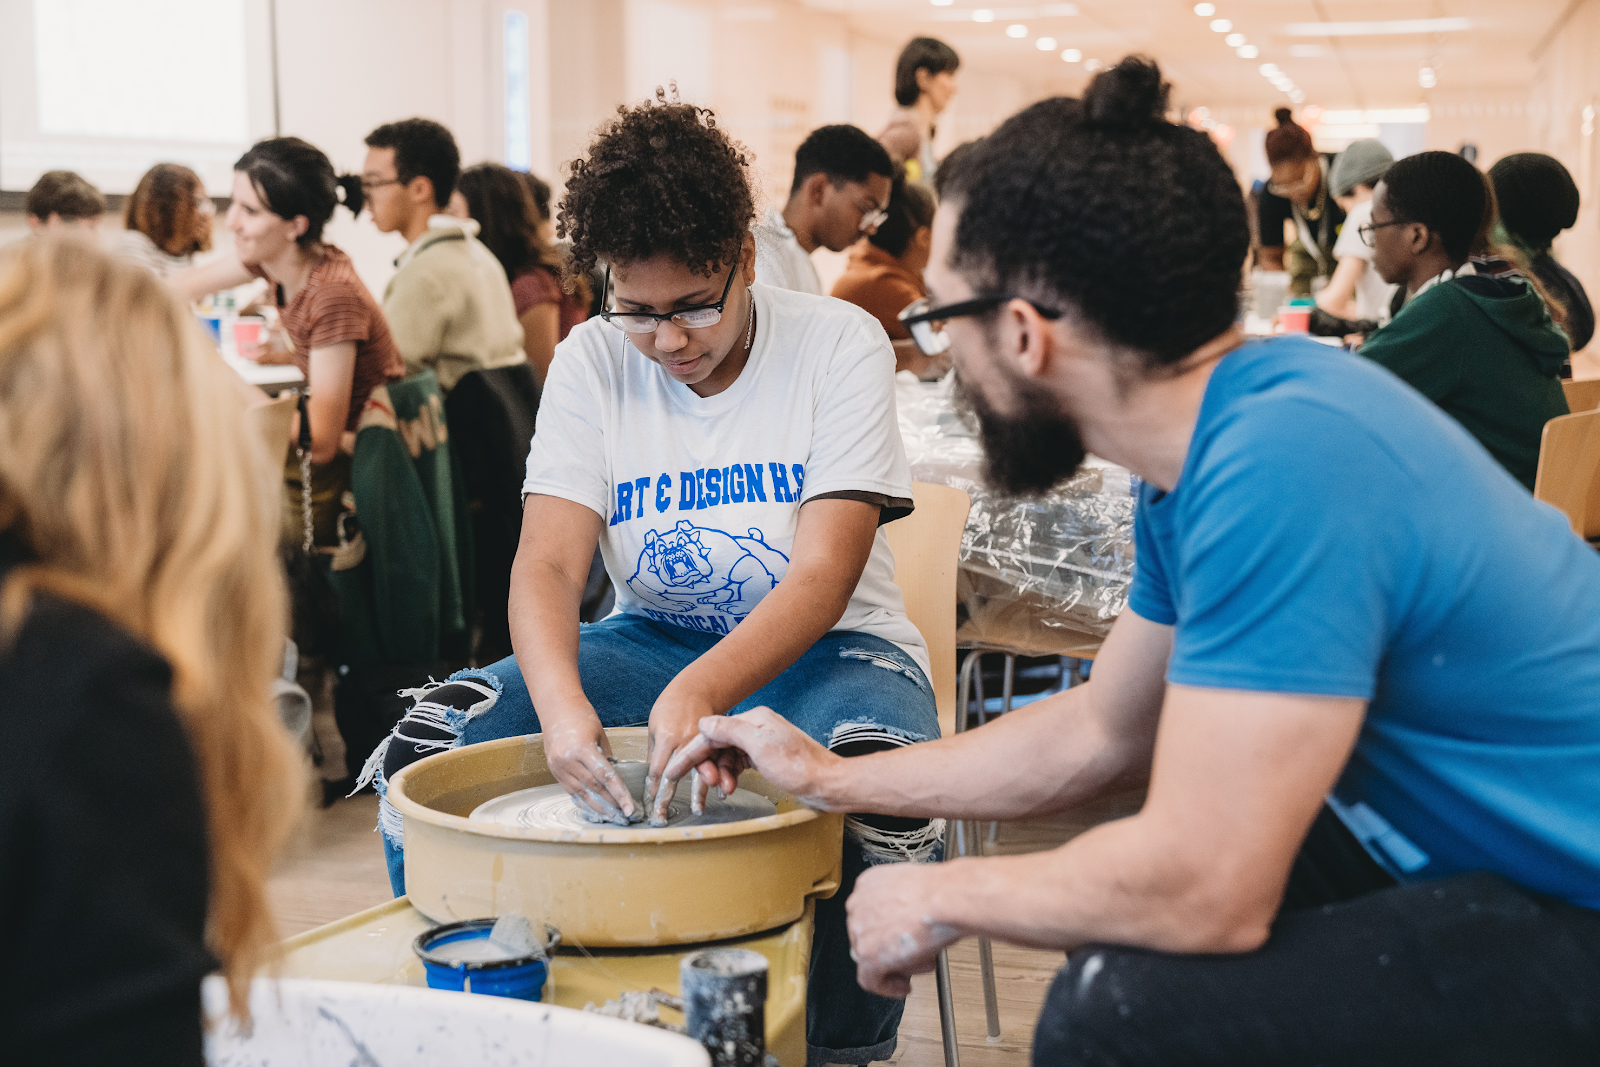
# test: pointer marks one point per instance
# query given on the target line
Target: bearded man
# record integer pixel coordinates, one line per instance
(1360, 669)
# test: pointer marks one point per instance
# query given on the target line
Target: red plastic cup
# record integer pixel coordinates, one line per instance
(247, 335)
(1295, 319)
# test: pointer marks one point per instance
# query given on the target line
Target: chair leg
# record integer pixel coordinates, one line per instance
(991, 1003)
(947, 1011)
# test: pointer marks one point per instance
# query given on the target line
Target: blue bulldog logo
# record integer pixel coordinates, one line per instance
(693, 566)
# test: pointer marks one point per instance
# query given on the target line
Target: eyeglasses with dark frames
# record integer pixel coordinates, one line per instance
(695, 318)
(920, 319)
(1368, 231)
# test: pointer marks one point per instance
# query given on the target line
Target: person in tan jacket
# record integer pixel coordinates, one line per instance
(449, 306)
(924, 82)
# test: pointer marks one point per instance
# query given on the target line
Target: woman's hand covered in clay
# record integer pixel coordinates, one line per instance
(894, 933)
(674, 724)
(765, 740)
(580, 758)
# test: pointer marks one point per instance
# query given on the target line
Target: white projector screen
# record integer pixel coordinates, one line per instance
(109, 87)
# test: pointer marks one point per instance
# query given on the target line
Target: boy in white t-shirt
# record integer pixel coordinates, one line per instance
(734, 451)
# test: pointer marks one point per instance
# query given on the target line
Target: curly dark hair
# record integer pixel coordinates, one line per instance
(1133, 225)
(660, 177)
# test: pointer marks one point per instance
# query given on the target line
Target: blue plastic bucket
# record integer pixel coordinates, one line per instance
(521, 978)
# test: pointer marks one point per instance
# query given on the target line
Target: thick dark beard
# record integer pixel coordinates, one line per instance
(1027, 453)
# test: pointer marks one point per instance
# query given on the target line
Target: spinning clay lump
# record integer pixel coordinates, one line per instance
(548, 807)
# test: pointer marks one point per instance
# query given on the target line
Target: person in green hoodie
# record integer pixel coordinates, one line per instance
(1483, 347)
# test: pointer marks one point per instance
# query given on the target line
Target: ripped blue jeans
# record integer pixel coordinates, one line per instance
(852, 692)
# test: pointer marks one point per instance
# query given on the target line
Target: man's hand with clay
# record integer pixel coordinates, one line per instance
(760, 738)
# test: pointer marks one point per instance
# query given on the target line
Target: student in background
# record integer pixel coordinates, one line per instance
(1538, 199)
(1355, 291)
(539, 190)
(61, 199)
(1481, 347)
(884, 274)
(168, 219)
(509, 226)
(146, 780)
(924, 83)
(1298, 193)
(284, 193)
(448, 304)
(840, 193)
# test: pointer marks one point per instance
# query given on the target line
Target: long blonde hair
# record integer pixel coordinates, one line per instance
(128, 471)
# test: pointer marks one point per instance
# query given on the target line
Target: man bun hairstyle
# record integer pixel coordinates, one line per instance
(659, 178)
(1289, 141)
(1446, 194)
(293, 177)
(1537, 197)
(921, 53)
(422, 149)
(844, 153)
(1132, 225)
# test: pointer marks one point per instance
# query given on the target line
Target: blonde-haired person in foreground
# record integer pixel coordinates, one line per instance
(145, 780)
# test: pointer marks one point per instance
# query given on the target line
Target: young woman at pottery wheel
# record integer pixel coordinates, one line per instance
(733, 449)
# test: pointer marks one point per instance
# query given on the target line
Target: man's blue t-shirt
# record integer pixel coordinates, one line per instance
(1335, 533)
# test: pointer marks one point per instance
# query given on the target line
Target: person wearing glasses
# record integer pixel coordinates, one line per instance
(1359, 673)
(1298, 193)
(284, 193)
(732, 448)
(840, 193)
(1483, 347)
(448, 304)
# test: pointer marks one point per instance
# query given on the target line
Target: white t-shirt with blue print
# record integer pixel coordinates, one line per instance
(1333, 532)
(701, 495)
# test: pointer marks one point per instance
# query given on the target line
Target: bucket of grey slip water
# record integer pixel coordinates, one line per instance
(725, 1004)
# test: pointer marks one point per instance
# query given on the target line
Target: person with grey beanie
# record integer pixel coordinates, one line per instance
(1356, 292)
(1538, 199)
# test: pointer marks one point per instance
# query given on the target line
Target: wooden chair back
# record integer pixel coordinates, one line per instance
(926, 545)
(1582, 395)
(1569, 469)
(270, 421)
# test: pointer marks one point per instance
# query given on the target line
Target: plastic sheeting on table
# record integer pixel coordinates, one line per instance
(1044, 575)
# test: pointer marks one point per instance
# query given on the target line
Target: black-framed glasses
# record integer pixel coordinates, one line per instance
(369, 184)
(1368, 231)
(695, 318)
(922, 320)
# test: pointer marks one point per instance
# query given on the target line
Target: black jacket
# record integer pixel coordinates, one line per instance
(103, 875)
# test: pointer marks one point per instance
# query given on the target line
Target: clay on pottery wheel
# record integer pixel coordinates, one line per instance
(548, 807)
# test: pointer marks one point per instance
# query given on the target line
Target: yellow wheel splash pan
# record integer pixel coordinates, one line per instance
(610, 887)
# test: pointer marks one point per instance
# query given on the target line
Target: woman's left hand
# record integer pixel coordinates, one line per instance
(674, 724)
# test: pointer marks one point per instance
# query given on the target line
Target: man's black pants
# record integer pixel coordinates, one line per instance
(1359, 972)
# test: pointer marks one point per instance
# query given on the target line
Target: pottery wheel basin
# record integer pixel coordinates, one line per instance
(607, 886)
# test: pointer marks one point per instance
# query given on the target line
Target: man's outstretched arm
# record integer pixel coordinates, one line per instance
(1042, 758)
(1238, 778)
